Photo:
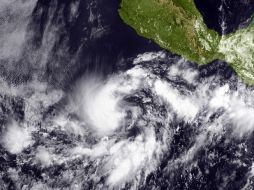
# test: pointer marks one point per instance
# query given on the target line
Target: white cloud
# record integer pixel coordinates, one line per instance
(149, 57)
(220, 98)
(43, 156)
(128, 158)
(14, 16)
(184, 106)
(100, 105)
(16, 138)
(97, 150)
(71, 126)
(178, 70)
(242, 118)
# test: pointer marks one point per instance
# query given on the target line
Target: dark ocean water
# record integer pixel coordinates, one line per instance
(234, 13)
(97, 40)
(98, 44)
(104, 43)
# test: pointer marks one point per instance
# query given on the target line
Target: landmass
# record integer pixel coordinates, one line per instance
(178, 26)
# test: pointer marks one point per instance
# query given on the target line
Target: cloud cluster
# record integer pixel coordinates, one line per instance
(122, 126)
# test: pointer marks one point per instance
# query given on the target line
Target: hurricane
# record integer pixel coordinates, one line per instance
(151, 120)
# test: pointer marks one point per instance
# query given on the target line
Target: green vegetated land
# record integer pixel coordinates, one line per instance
(177, 25)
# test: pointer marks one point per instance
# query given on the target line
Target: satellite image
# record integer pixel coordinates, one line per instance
(126, 94)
